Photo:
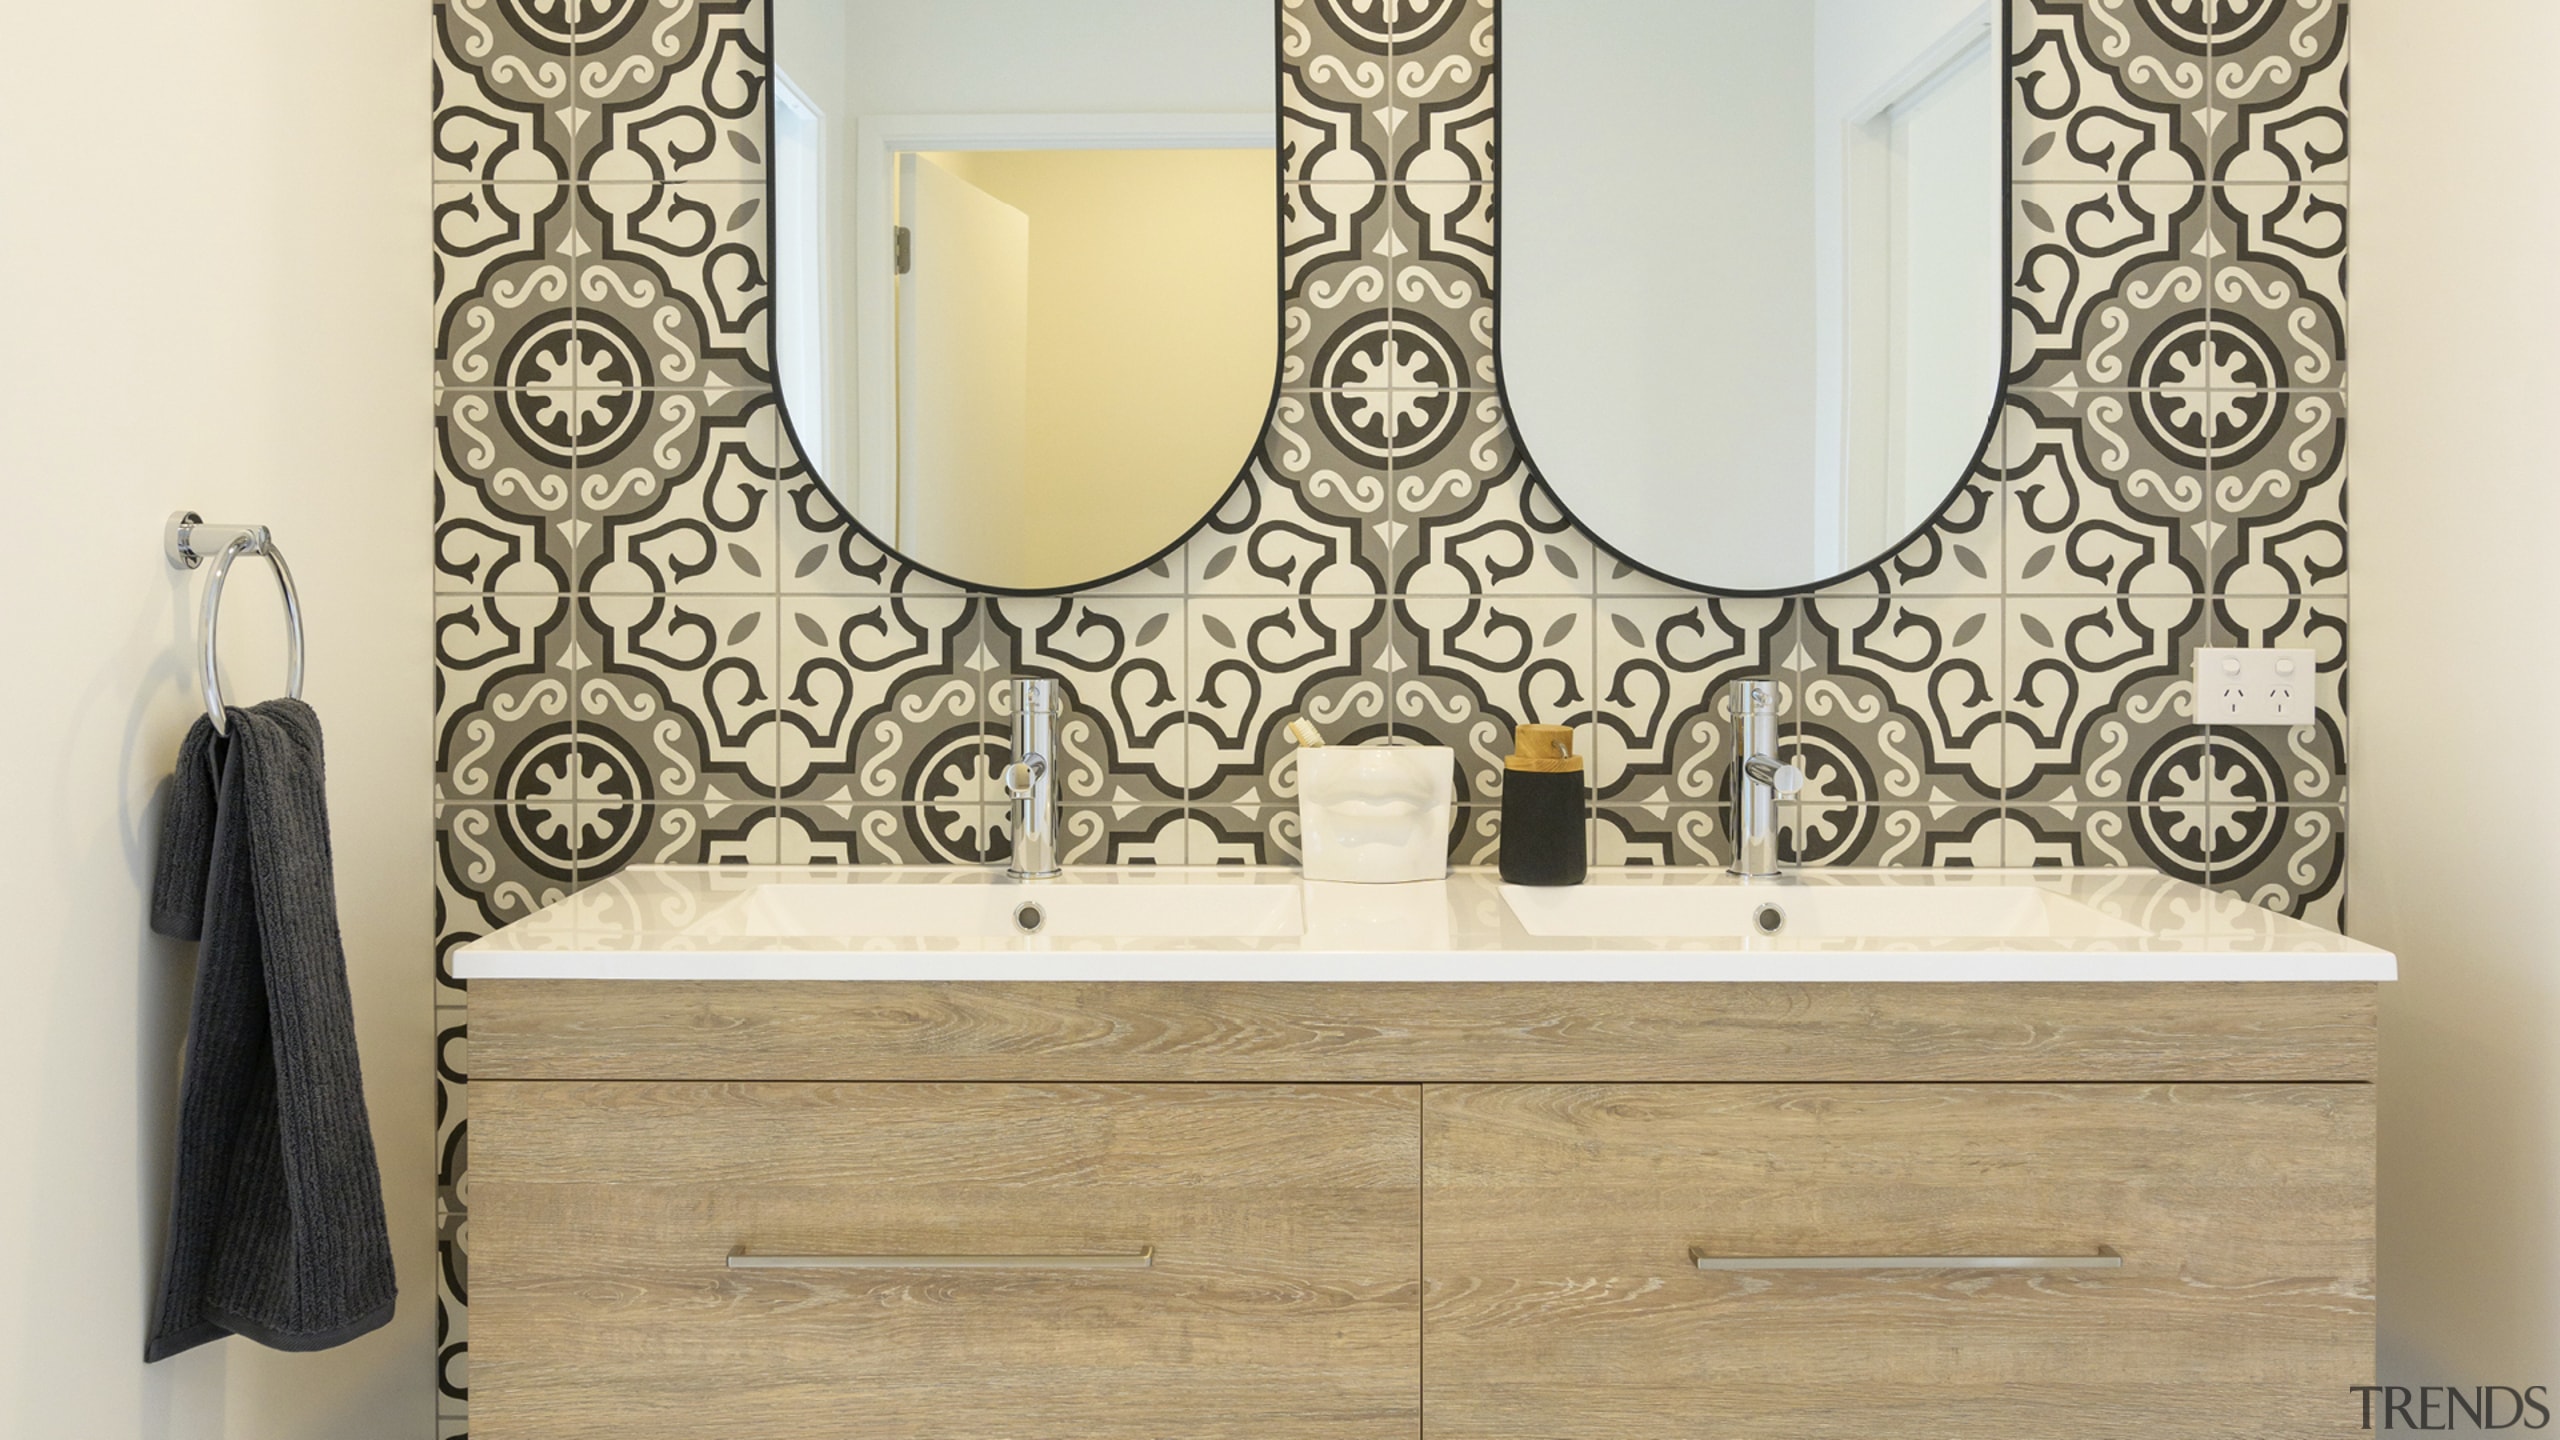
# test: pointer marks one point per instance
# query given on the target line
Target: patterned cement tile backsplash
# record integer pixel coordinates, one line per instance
(658, 639)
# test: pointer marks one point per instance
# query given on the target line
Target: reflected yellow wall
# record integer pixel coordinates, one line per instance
(1154, 339)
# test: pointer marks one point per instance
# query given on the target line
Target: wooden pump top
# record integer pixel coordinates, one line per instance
(1543, 749)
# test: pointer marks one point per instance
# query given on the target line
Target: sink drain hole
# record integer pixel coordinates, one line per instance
(1028, 917)
(1769, 919)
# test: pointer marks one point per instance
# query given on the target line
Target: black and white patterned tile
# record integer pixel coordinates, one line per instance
(1663, 679)
(2108, 286)
(2280, 75)
(1939, 835)
(2110, 91)
(1123, 667)
(659, 639)
(2099, 689)
(1896, 701)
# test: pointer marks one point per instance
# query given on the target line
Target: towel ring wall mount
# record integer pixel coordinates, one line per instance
(190, 544)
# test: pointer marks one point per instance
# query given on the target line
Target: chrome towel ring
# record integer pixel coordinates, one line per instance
(190, 543)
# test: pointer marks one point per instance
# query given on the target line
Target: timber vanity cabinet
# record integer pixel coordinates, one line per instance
(793, 1209)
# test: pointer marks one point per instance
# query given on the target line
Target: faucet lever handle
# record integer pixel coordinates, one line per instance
(1783, 778)
(1024, 776)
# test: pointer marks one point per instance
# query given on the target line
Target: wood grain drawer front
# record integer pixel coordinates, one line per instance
(1138, 1033)
(1562, 1302)
(1282, 1297)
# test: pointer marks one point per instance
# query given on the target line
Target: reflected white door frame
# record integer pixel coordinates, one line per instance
(879, 140)
(1866, 512)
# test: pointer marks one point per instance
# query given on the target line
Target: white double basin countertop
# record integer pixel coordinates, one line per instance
(1234, 925)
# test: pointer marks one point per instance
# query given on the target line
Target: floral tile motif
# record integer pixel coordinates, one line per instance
(820, 551)
(498, 864)
(613, 834)
(1662, 835)
(1895, 701)
(2280, 72)
(2101, 691)
(1317, 496)
(1129, 835)
(508, 665)
(2109, 492)
(1475, 837)
(682, 264)
(1473, 668)
(954, 829)
(453, 1077)
(501, 81)
(503, 312)
(2109, 90)
(2169, 839)
(681, 703)
(1255, 666)
(1334, 49)
(1935, 836)
(1480, 520)
(1337, 251)
(2107, 286)
(677, 92)
(1959, 552)
(503, 255)
(885, 700)
(1125, 672)
(1385, 380)
(1444, 82)
(2280, 289)
(2280, 501)
(506, 513)
(681, 493)
(1251, 834)
(2290, 858)
(1665, 672)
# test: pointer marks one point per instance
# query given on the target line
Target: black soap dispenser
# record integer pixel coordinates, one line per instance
(1543, 795)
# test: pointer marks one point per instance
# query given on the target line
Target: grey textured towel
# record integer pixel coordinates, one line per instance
(275, 1228)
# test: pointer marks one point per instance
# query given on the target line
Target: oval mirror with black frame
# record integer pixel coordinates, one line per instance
(1753, 274)
(1026, 271)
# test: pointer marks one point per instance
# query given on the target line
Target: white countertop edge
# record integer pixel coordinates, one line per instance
(1507, 967)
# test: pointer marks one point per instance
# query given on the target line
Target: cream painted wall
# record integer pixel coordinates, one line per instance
(215, 277)
(1151, 315)
(2456, 768)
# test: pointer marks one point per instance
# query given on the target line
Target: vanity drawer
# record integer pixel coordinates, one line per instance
(1280, 1294)
(1563, 1301)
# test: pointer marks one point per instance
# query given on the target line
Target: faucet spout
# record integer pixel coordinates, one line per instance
(1031, 780)
(1760, 778)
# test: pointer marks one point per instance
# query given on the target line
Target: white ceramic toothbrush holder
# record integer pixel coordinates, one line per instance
(1376, 814)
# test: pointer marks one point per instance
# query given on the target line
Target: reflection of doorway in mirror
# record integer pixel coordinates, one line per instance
(1084, 344)
(1920, 347)
(803, 348)
(964, 370)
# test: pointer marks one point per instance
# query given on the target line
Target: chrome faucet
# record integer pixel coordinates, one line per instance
(1759, 778)
(1032, 778)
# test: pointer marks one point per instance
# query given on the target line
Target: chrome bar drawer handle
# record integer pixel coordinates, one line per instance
(2105, 1259)
(1143, 1260)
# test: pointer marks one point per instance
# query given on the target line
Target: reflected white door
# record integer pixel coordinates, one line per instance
(1946, 258)
(964, 344)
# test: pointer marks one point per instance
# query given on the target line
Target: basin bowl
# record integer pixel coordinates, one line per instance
(991, 911)
(1915, 912)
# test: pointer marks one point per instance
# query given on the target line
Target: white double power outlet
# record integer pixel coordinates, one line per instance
(2257, 687)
